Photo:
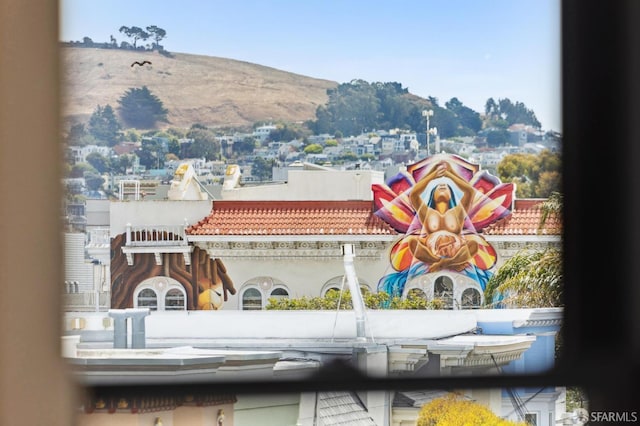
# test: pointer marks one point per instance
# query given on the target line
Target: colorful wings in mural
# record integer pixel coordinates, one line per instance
(492, 201)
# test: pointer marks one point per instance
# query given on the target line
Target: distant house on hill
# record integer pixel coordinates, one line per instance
(262, 132)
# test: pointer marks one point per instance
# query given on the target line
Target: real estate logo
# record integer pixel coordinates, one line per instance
(582, 416)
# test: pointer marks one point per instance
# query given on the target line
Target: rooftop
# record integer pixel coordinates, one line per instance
(342, 218)
(525, 220)
(291, 218)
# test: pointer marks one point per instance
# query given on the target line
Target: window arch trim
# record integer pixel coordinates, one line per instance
(161, 286)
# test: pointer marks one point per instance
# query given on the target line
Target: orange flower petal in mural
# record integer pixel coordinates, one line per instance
(400, 255)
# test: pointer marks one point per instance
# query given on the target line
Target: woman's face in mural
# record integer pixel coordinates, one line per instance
(442, 192)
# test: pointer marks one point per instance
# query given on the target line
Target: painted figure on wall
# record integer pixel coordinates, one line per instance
(440, 205)
(205, 281)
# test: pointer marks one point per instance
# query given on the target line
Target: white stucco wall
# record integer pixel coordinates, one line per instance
(302, 277)
(381, 324)
(267, 410)
(165, 213)
(338, 185)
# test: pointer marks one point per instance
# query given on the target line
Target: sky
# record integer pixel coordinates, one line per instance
(469, 49)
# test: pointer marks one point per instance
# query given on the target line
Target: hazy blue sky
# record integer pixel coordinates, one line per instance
(469, 49)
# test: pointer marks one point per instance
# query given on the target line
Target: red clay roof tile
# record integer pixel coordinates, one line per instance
(290, 218)
(341, 218)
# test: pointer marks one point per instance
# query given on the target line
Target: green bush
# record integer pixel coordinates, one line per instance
(334, 298)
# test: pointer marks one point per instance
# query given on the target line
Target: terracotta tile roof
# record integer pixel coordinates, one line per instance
(341, 218)
(291, 218)
(524, 220)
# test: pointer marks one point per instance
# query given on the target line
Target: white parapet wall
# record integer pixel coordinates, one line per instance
(380, 324)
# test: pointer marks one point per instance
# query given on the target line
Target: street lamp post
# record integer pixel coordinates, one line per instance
(427, 114)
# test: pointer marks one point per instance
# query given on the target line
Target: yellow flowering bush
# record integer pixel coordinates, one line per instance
(453, 410)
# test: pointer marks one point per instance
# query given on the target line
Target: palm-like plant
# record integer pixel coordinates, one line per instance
(530, 278)
(551, 206)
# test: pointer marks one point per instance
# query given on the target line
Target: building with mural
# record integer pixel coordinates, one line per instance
(285, 240)
(438, 229)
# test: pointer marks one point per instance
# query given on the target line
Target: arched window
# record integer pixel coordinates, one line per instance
(251, 299)
(174, 300)
(279, 293)
(443, 290)
(328, 289)
(148, 298)
(471, 298)
(416, 293)
(256, 292)
(340, 282)
(160, 294)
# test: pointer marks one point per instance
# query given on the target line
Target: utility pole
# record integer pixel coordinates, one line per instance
(427, 114)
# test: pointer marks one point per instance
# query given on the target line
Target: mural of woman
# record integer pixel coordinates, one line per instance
(440, 242)
(439, 206)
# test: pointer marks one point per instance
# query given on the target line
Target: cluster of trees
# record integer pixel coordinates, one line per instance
(535, 175)
(138, 108)
(135, 34)
(503, 113)
(154, 32)
(360, 106)
(351, 109)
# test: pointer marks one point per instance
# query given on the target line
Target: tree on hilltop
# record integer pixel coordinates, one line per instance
(468, 118)
(504, 113)
(157, 34)
(135, 33)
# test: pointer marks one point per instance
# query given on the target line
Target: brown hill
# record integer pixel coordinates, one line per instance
(195, 89)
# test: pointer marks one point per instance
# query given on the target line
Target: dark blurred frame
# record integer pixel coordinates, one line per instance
(601, 139)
